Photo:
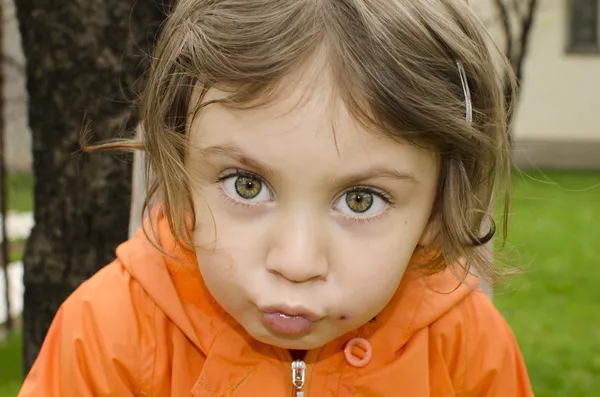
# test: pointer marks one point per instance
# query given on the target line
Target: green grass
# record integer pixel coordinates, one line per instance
(15, 256)
(20, 199)
(20, 192)
(16, 250)
(553, 306)
(10, 366)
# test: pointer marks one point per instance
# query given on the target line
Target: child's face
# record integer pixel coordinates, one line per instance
(306, 232)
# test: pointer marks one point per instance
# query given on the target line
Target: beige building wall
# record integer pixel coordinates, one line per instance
(561, 91)
(557, 123)
(560, 97)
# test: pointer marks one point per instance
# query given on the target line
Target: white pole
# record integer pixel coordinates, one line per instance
(138, 190)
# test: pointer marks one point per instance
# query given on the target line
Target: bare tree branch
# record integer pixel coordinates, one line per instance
(503, 13)
(526, 26)
(516, 7)
(516, 18)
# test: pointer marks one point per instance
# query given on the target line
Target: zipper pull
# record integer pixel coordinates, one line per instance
(298, 374)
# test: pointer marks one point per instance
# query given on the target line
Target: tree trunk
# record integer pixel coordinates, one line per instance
(85, 61)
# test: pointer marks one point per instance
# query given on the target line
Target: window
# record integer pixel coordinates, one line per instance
(584, 26)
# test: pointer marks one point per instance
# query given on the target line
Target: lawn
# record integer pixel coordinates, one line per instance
(10, 366)
(552, 304)
(20, 192)
(20, 199)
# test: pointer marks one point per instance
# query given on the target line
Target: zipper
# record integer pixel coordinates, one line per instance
(298, 377)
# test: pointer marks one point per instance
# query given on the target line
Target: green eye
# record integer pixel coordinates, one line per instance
(359, 201)
(247, 187)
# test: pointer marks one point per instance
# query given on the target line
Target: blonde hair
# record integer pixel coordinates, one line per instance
(394, 63)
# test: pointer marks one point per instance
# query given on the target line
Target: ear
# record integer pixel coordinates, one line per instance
(431, 232)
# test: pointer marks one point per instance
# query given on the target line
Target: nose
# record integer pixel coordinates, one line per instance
(297, 251)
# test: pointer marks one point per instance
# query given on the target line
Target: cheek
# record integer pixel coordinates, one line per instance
(224, 255)
(218, 270)
(218, 226)
(377, 273)
(371, 273)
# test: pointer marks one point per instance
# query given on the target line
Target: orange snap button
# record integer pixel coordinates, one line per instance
(352, 358)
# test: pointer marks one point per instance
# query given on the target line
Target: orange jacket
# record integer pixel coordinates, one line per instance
(147, 326)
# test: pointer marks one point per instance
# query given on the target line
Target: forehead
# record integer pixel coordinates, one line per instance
(306, 127)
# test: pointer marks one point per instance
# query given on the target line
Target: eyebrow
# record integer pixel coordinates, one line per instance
(237, 154)
(377, 172)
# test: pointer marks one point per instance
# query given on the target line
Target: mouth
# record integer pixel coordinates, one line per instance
(289, 321)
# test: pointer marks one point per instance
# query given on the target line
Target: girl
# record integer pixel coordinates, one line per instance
(321, 171)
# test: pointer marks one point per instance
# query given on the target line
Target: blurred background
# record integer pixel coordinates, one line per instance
(59, 62)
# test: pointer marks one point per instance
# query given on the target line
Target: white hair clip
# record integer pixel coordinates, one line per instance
(466, 92)
(465, 87)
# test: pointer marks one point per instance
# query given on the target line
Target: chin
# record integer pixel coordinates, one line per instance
(290, 342)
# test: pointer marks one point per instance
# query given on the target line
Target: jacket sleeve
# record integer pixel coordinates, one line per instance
(91, 348)
(493, 366)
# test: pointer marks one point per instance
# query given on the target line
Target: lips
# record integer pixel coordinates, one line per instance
(288, 321)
